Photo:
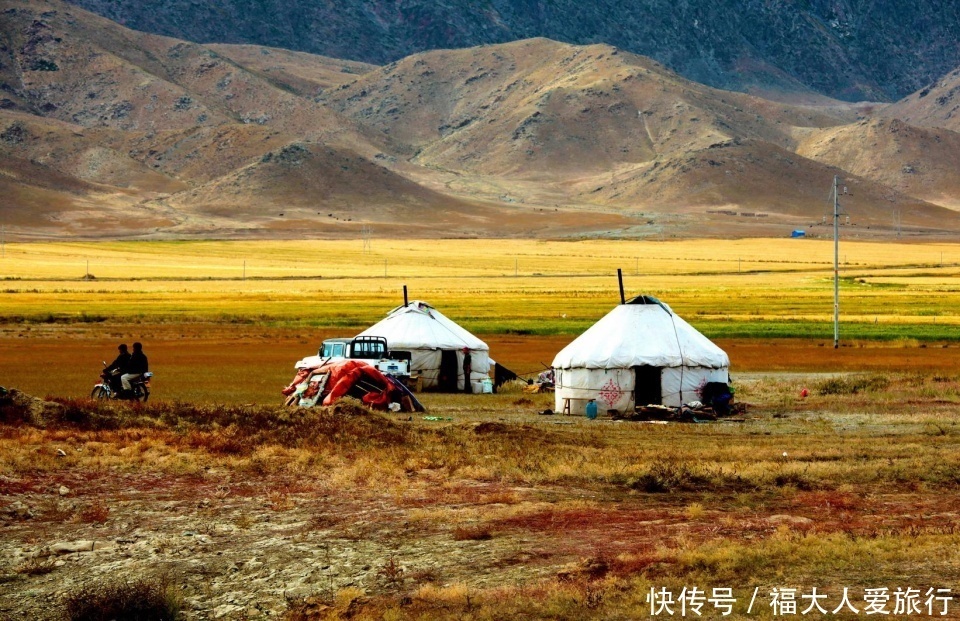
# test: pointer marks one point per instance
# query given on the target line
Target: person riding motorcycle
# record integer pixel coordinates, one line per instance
(118, 367)
(136, 367)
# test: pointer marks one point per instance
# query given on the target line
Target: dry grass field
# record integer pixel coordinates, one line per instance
(488, 511)
(213, 502)
(767, 288)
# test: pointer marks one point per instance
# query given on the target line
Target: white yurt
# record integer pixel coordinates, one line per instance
(640, 353)
(436, 346)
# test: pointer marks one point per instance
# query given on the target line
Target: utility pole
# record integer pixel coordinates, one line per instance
(3, 248)
(836, 263)
(365, 232)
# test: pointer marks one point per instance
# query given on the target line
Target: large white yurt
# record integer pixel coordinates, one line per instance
(436, 346)
(640, 353)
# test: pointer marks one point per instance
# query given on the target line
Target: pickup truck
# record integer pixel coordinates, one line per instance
(371, 349)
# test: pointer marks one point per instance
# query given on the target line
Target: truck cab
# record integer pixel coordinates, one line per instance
(362, 347)
(371, 349)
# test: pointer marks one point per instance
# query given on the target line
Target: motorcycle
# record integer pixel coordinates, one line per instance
(109, 387)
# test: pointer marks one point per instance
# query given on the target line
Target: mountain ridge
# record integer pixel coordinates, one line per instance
(881, 50)
(108, 132)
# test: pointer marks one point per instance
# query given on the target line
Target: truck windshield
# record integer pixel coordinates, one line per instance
(332, 350)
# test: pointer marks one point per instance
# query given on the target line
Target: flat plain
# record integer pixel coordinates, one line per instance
(235, 508)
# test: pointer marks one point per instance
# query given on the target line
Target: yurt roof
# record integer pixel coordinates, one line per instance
(644, 331)
(418, 325)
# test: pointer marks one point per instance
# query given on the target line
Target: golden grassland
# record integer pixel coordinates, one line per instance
(490, 286)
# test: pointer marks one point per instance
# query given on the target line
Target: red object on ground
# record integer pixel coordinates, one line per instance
(804, 393)
(301, 376)
(344, 375)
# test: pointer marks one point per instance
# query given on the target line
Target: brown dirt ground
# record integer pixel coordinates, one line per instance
(190, 361)
(241, 547)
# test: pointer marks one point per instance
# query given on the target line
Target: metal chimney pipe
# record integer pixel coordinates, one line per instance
(623, 300)
(404, 295)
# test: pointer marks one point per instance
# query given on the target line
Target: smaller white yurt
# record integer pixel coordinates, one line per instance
(640, 353)
(436, 345)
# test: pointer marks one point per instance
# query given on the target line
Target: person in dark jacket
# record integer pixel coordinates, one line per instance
(137, 367)
(467, 370)
(119, 366)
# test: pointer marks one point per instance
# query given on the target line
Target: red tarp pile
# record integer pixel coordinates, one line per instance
(332, 380)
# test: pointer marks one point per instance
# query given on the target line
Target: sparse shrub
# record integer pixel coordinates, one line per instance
(13, 413)
(227, 441)
(587, 569)
(57, 513)
(664, 476)
(852, 385)
(141, 600)
(42, 64)
(323, 521)
(391, 572)
(668, 476)
(96, 513)
(476, 532)
(243, 521)
(694, 511)
(796, 480)
(279, 501)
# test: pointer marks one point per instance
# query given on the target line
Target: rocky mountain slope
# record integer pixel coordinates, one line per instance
(917, 161)
(107, 132)
(936, 105)
(880, 50)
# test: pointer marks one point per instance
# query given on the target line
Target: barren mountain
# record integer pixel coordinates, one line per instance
(608, 128)
(879, 50)
(937, 105)
(306, 75)
(916, 161)
(97, 155)
(312, 185)
(309, 190)
(780, 183)
(539, 107)
(108, 132)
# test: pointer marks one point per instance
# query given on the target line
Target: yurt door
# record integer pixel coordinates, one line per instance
(646, 390)
(449, 369)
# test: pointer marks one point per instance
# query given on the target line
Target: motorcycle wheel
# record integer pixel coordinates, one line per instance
(99, 392)
(146, 395)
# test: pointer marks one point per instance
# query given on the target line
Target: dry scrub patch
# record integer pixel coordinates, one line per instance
(251, 511)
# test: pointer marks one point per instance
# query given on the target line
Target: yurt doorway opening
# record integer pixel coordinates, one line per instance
(449, 369)
(647, 386)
